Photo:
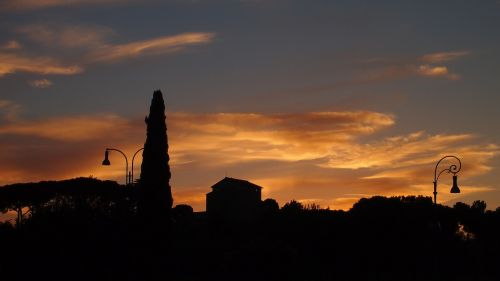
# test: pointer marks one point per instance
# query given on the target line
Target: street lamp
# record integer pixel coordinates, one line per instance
(133, 157)
(454, 169)
(106, 161)
(129, 176)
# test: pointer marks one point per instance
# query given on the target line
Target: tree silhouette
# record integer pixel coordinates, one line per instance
(156, 196)
(479, 206)
(293, 207)
(270, 206)
(29, 199)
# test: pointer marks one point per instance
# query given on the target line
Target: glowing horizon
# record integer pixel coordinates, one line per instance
(315, 157)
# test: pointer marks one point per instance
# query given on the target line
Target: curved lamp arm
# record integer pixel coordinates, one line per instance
(126, 162)
(454, 169)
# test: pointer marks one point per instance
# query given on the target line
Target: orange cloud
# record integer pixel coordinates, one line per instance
(284, 137)
(444, 56)
(424, 66)
(436, 72)
(72, 36)
(160, 45)
(78, 128)
(413, 149)
(439, 71)
(89, 42)
(95, 39)
(12, 63)
(41, 83)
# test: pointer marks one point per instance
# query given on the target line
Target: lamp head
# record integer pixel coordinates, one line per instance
(106, 162)
(454, 188)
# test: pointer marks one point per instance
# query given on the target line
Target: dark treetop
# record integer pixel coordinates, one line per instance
(155, 171)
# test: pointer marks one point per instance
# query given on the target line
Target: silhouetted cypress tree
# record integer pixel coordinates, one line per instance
(156, 196)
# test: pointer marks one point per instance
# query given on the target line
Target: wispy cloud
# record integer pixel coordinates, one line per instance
(41, 83)
(13, 62)
(429, 65)
(444, 56)
(91, 46)
(378, 69)
(155, 46)
(67, 36)
(430, 69)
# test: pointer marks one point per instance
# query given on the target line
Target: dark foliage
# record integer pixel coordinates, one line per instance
(86, 229)
(269, 208)
(156, 196)
(33, 199)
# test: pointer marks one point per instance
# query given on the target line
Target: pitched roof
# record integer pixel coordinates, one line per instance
(234, 183)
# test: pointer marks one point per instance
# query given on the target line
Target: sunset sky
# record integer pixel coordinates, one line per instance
(317, 101)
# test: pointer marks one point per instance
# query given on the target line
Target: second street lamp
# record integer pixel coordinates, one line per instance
(133, 157)
(454, 169)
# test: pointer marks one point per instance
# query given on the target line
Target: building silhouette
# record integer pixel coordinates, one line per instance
(233, 199)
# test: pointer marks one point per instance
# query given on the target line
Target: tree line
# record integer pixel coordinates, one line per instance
(85, 228)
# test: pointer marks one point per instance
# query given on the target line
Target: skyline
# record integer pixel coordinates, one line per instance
(322, 103)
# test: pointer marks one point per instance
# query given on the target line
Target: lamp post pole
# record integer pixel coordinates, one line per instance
(133, 157)
(454, 169)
